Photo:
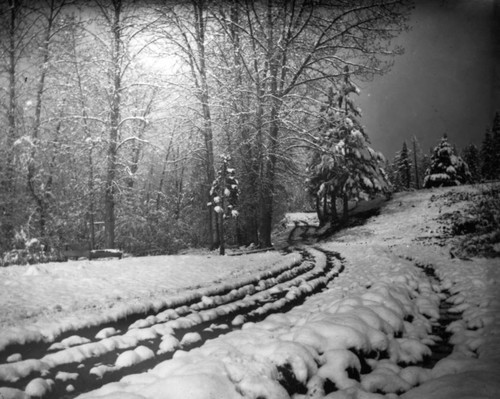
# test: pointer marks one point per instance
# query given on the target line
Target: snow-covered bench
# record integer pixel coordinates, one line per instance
(105, 253)
(83, 251)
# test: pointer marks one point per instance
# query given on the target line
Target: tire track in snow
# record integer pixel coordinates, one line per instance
(39, 344)
(444, 347)
(137, 343)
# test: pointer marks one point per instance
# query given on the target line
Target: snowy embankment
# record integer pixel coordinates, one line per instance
(364, 336)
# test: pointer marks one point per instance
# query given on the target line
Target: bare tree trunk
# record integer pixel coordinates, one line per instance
(136, 150)
(257, 164)
(159, 193)
(345, 203)
(110, 184)
(91, 209)
(204, 97)
(334, 217)
(179, 184)
(266, 215)
(39, 194)
(415, 163)
(7, 207)
(90, 205)
(247, 224)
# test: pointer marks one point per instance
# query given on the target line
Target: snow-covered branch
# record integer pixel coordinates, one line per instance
(132, 138)
(133, 118)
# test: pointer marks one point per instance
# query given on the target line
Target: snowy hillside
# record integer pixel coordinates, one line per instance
(360, 324)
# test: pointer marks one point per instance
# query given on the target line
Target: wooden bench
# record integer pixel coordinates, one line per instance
(77, 251)
(105, 253)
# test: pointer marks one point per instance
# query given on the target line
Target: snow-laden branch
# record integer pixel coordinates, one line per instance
(131, 138)
(137, 118)
(73, 117)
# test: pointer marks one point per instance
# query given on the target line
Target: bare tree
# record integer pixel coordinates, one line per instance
(187, 30)
(26, 24)
(12, 47)
(247, 84)
(122, 47)
(41, 190)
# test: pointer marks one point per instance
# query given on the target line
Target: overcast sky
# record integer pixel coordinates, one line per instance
(443, 82)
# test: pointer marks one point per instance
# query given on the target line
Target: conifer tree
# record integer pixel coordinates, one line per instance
(392, 173)
(403, 168)
(470, 155)
(490, 151)
(343, 166)
(487, 156)
(446, 168)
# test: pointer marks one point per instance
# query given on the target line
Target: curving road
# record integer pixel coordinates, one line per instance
(83, 360)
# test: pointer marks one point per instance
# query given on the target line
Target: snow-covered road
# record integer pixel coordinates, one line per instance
(298, 329)
(88, 357)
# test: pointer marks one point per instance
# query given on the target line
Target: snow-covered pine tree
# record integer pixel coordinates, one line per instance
(470, 155)
(390, 170)
(446, 169)
(343, 166)
(224, 194)
(402, 169)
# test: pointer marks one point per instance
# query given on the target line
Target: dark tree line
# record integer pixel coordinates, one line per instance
(489, 155)
(114, 112)
(445, 166)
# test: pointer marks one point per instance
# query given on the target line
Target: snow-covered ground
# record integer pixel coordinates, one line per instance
(364, 336)
(56, 296)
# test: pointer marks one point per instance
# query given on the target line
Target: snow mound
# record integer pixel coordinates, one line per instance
(39, 387)
(12, 393)
(133, 357)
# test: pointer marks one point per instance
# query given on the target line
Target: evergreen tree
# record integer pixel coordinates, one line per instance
(488, 157)
(470, 155)
(392, 175)
(403, 168)
(343, 166)
(224, 194)
(425, 163)
(446, 168)
(490, 151)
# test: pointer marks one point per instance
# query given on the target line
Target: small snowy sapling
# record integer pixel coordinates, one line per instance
(224, 194)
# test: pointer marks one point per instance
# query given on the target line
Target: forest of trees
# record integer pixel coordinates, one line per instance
(114, 113)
